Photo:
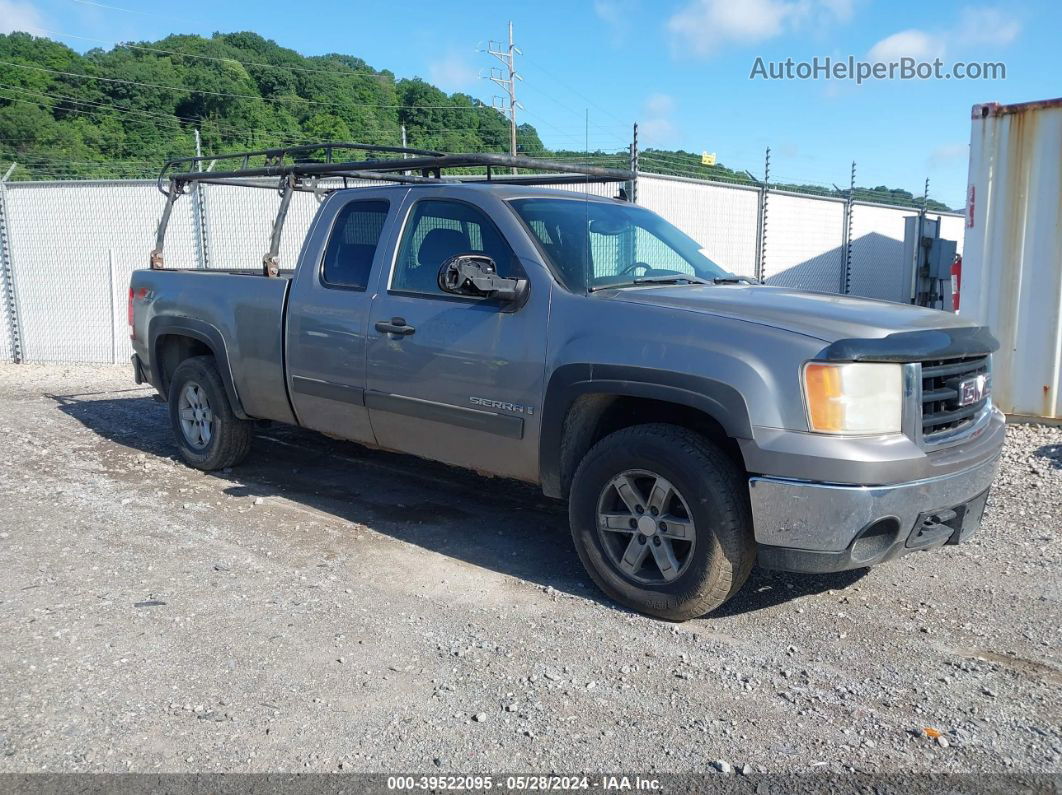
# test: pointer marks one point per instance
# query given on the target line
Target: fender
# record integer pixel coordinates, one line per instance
(720, 401)
(205, 333)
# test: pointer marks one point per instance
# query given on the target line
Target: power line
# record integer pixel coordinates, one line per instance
(127, 10)
(330, 72)
(104, 107)
(577, 92)
(127, 45)
(241, 96)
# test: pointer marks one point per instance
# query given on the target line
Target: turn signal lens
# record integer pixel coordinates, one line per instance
(853, 398)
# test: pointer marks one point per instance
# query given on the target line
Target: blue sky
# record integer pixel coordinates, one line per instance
(681, 68)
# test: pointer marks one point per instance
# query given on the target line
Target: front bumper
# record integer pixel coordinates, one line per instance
(820, 527)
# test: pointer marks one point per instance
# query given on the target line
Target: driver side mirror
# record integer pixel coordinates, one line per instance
(476, 276)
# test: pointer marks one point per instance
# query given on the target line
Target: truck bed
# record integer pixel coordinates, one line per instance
(246, 313)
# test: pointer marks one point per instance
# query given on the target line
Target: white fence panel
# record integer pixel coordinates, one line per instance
(878, 269)
(803, 245)
(73, 247)
(605, 189)
(722, 219)
(239, 223)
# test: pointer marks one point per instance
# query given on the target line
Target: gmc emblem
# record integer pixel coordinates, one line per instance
(973, 390)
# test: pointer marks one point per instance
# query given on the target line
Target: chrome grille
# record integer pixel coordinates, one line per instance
(941, 380)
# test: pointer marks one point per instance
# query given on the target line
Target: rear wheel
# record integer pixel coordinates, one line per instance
(209, 435)
(661, 521)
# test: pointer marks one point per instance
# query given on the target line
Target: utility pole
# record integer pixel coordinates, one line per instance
(404, 154)
(634, 165)
(506, 78)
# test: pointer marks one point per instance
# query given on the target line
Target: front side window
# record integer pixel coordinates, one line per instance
(352, 246)
(438, 230)
(598, 244)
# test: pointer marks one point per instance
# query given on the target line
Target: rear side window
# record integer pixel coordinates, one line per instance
(352, 246)
(438, 230)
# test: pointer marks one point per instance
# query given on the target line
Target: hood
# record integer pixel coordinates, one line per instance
(820, 315)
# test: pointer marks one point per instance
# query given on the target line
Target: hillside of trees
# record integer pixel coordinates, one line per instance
(124, 111)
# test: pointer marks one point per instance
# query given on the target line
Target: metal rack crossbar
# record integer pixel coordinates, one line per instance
(300, 168)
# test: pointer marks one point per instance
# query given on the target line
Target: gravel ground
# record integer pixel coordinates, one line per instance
(324, 607)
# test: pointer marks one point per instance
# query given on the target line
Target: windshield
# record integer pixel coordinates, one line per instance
(613, 245)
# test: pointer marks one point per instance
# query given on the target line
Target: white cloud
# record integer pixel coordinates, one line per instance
(841, 10)
(15, 15)
(912, 43)
(980, 26)
(946, 155)
(617, 15)
(451, 73)
(657, 127)
(976, 27)
(660, 104)
(705, 26)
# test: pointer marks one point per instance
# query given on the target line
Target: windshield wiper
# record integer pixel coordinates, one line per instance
(670, 278)
(667, 278)
(734, 280)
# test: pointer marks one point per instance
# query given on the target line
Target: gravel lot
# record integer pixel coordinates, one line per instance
(324, 607)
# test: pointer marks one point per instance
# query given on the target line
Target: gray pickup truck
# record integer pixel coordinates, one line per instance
(696, 422)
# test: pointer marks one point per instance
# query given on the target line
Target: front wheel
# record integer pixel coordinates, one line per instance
(209, 435)
(661, 521)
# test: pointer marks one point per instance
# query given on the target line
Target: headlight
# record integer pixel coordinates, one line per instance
(856, 398)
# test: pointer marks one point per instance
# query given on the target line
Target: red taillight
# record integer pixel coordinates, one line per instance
(132, 330)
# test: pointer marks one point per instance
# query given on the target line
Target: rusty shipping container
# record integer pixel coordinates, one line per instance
(1012, 262)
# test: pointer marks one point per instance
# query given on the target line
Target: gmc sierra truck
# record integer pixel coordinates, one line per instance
(696, 422)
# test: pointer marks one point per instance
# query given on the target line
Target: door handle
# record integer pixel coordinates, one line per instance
(396, 326)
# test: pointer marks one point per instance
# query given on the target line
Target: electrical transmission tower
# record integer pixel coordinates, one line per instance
(506, 77)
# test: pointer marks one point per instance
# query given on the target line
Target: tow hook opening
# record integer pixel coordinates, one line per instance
(875, 540)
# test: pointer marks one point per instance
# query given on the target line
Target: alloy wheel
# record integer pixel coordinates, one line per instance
(196, 416)
(645, 527)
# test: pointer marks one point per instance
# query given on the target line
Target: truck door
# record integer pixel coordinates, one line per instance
(328, 312)
(456, 379)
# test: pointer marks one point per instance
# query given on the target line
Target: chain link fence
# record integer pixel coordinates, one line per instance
(877, 249)
(67, 249)
(804, 242)
(722, 218)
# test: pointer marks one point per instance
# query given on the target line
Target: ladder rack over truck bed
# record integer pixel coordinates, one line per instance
(294, 170)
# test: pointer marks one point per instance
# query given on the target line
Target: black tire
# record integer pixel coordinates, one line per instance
(230, 437)
(715, 489)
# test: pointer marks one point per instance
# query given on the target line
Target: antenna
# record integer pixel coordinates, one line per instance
(506, 78)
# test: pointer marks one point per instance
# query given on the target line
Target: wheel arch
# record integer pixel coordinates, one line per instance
(586, 402)
(174, 339)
